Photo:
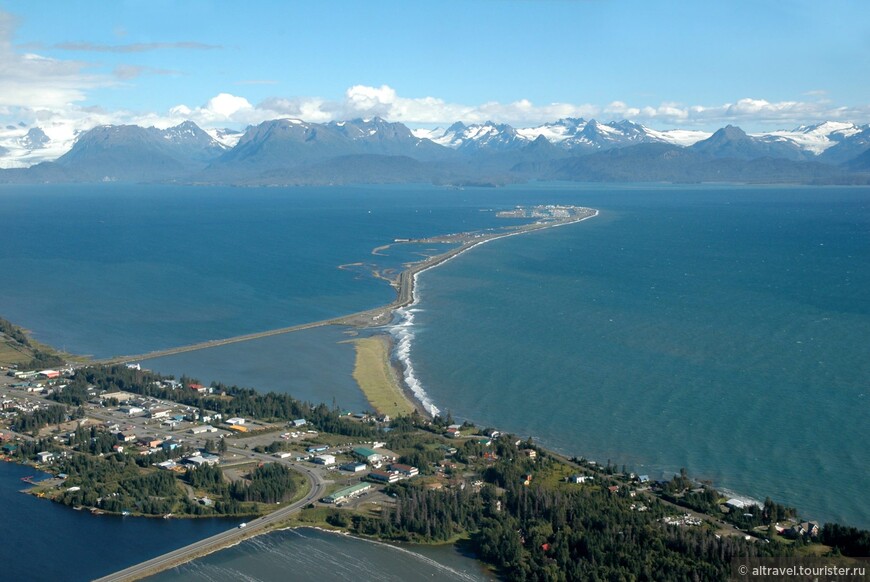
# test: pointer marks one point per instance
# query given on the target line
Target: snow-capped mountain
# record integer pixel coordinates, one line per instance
(35, 139)
(285, 151)
(379, 137)
(819, 137)
(130, 152)
(732, 142)
(849, 147)
(226, 137)
(476, 137)
(572, 134)
(22, 146)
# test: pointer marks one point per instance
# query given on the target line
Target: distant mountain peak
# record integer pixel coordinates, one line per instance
(35, 139)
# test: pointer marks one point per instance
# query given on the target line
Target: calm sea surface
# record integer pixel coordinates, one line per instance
(721, 329)
(314, 365)
(113, 270)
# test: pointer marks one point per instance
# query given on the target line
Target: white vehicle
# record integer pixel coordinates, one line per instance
(243, 525)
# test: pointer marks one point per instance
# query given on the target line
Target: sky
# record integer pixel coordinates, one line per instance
(760, 64)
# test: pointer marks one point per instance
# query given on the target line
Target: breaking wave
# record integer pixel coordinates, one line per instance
(403, 333)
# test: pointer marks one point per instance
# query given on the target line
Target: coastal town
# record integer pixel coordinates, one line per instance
(346, 470)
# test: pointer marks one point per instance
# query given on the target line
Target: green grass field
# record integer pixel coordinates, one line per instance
(376, 378)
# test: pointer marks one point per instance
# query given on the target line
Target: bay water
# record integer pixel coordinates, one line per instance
(719, 328)
(45, 541)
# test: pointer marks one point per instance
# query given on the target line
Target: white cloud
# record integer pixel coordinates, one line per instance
(33, 81)
(226, 105)
(47, 92)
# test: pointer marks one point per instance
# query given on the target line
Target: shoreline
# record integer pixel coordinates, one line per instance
(404, 285)
(402, 349)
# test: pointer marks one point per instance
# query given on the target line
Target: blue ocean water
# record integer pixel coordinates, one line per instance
(724, 330)
(119, 269)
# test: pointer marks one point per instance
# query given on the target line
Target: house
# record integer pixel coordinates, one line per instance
(202, 429)
(200, 460)
(367, 455)
(159, 413)
(119, 396)
(299, 422)
(353, 467)
(50, 374)
(44, 457)
(325, 460)
(126, 437)
(131, 410)
(169, 446)
(530, 453)
(236, 420)
(643, 478)
(527, 479)
(210, 458)
(804, 529)
(317, 449)
(347, 493)
(384, 476)
(613, 488)
(577, 478)
(406, 470)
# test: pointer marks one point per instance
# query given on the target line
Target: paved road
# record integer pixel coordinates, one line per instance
(404, 285)
(224, 539)
(317, 490)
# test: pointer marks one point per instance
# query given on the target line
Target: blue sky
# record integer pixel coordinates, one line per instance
(760, 64)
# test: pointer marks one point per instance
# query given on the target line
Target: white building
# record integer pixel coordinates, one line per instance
(325, 460)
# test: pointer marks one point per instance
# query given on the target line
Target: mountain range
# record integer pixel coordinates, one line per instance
(292, 151)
